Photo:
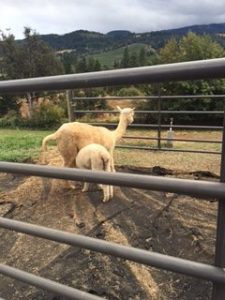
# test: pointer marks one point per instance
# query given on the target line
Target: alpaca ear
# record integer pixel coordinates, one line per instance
(119, 109)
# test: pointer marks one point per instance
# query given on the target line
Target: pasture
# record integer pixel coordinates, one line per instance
(108, 58)
(24, 145)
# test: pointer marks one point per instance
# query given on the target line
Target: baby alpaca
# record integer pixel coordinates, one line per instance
(96, 157)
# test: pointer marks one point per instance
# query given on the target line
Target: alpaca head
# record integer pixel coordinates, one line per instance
(127, 114)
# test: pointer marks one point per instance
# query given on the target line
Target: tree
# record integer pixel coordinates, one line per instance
(170, 53)
(133, 60)
(125, 59)
(81, 66)
(39, 58)
(93, 64)
(98, 66)
(191, 47)
(142, 57)
(12, 57)
(29, 58)
(69, 61)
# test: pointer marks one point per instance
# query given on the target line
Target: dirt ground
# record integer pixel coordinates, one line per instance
(171, 224)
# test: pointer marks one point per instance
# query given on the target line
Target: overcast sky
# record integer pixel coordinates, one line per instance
(63, 16)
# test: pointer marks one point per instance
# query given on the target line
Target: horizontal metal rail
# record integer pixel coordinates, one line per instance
(201, 69)
(217, 112)
(174, 140)
(168, 149)
(49, 285)
(163, 97)
(161, 126)
(149, 258)
(173, 185)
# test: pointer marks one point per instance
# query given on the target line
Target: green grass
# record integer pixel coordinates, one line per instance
(108, 58)
(19, 145)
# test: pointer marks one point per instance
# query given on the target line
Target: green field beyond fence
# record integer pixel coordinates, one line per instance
(20, 145)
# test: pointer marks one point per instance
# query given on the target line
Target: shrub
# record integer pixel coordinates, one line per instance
(10, 120)
(47, 115)
(129, 92)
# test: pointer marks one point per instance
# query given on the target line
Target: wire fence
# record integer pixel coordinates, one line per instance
(159, 127)
(181, 71)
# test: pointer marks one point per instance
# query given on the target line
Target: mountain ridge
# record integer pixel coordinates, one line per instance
(84, 41)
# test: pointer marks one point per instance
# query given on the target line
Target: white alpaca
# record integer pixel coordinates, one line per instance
(72, 137)
(96, 157)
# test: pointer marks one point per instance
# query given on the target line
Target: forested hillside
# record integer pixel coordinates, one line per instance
(87, 41)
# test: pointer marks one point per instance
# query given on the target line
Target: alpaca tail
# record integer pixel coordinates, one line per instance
(51, 137)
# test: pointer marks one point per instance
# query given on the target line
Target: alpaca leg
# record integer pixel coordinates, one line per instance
(43, 158)
(68, 152)
(107, 188)
(106, 193)
(112, 166)
(110, 191)
(100, 186)
(97, 165)
(69, 163)
(112, 169)
(86, 187)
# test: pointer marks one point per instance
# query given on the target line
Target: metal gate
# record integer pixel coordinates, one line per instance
(214, 68)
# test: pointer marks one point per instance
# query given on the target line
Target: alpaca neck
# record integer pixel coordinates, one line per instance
(121, 128)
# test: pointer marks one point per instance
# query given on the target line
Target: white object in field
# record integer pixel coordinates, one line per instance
(170, 135)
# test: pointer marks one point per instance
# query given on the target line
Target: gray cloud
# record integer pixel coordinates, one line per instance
(57, 16)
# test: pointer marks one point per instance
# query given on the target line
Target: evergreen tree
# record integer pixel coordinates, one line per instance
(91, 64)
(81, 66)
(125, 59)
(97, 65)
(116, 64)
(142, 57)
(69, 61)
(133, 60)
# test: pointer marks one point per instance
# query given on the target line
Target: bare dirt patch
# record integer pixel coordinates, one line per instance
(171, 224)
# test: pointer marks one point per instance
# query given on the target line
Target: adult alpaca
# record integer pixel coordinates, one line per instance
(73, 136)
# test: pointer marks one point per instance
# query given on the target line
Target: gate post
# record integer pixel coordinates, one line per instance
(159, 118)
(69, 105)
(219, 289)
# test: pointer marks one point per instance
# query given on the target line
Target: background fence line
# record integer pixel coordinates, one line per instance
(72, 112)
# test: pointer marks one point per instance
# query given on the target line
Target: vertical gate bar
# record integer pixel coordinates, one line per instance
(159, 118)
(219, 289)
(69, 105)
